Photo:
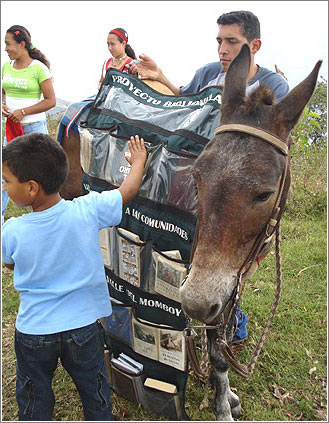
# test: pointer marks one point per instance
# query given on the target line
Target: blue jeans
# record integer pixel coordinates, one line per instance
(81, 352)
(40, 126)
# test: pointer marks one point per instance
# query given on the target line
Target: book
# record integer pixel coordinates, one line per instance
(169, 275)
(124, 366)
(160, 385)
(131, 361)
(129, 386)
(104, 242)
(129, 257)
(173, 254)
(159, 343)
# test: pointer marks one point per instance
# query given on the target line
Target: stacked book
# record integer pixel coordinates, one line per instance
(127, 364)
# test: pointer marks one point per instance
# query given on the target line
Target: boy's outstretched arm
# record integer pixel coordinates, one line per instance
(137, 158)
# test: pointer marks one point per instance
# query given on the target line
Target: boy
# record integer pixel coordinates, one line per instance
(58, 270)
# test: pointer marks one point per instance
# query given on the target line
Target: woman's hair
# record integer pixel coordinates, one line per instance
(22, 34)
(38, 157)
(122, 35)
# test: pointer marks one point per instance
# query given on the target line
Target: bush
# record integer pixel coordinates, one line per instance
(309, 184)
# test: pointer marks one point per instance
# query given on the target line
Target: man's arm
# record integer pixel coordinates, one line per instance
(148, 69)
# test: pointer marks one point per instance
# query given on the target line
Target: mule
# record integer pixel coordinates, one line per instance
(242, 178)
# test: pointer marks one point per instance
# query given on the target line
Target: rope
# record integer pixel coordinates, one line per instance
(262, 339)
(242, 369)
(204, 357)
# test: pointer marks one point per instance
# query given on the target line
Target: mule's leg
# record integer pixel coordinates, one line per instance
(227, 404)
(72, 186)
(220, 383)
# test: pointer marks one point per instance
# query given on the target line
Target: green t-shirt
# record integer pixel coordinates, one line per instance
(22, 87)
(24, 83)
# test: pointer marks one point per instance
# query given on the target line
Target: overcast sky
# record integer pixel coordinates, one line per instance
(179, 35)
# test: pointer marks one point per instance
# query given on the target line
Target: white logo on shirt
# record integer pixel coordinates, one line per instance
(20, 83)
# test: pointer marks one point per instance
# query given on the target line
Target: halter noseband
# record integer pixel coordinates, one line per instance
(252, 130)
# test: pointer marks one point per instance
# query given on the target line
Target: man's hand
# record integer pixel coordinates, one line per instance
(146, 68)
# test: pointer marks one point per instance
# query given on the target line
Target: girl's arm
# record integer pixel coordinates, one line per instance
(47, 103)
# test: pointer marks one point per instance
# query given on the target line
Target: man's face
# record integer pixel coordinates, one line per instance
(230, 41)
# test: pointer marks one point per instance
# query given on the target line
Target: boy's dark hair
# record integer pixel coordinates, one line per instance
(248, 22)
(38, 157)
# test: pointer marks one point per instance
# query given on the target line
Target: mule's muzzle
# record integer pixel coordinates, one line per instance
(199, 305)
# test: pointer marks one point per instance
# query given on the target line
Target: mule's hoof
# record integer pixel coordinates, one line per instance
(236, 411)
(233, 399)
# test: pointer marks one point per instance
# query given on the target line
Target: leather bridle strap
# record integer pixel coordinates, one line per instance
(270, 227)
(252, 130)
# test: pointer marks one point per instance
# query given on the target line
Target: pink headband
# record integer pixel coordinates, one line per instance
(123, 37)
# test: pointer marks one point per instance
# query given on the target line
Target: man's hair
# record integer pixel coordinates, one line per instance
(38, 157)
(248, 22)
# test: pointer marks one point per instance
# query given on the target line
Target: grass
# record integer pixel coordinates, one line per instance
(290, 377)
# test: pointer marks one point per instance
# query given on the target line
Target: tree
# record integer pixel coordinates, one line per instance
(311, 129)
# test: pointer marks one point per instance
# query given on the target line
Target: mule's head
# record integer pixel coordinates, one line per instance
(238, 176)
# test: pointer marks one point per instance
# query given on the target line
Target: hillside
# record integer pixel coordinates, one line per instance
(59, 109)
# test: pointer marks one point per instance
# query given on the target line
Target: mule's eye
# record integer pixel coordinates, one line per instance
(264, 196)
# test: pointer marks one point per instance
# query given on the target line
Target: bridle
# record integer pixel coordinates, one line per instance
(260, 245)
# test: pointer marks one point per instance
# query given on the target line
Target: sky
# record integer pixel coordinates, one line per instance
(179, 35)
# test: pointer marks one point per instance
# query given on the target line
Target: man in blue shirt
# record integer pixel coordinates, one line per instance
(234, 30)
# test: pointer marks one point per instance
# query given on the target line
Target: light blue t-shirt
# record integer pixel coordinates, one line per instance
(59, 269)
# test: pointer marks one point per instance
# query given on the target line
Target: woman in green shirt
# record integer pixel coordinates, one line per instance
(27, 88)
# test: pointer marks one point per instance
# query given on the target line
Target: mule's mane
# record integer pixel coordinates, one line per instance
(261, 96)
(253, 105)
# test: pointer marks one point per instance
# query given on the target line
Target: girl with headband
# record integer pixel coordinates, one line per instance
(121, 51)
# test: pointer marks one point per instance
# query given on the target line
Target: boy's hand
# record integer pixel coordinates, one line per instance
(137, 151)
(137, 158)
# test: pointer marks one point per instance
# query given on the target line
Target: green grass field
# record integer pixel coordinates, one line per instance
(290, 378)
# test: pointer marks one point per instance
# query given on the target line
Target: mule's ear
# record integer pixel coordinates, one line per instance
(292, 105)
(236, 79)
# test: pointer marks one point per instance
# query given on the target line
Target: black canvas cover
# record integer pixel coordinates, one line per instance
(162, 217)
